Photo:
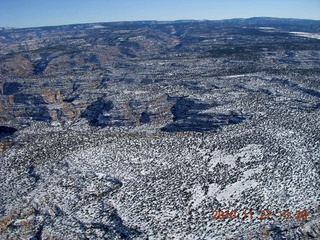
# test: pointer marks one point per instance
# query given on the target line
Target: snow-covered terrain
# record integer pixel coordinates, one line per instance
(147, 130)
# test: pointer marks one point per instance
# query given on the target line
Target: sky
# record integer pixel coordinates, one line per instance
(35, 13)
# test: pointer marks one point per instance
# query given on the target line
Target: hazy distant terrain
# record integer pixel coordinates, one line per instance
(140, 130)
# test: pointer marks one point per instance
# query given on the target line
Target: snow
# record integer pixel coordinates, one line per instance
(306, 34)
(233, 191)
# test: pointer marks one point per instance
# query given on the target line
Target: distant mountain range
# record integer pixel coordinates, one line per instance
(237, 21)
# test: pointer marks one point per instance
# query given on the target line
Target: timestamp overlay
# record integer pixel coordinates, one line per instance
(264, 223)
(285, 214)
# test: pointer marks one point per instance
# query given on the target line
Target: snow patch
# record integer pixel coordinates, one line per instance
(306, 34)
(234, 190)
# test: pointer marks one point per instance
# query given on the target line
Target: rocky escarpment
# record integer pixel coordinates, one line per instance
(59, 73)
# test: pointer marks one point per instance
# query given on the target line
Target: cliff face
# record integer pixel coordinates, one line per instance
(56, 73)
(142, 130)
(51, 67)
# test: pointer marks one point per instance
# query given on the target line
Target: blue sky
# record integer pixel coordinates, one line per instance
(33, 13)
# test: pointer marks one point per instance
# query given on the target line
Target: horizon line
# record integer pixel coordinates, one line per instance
(160, 21)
